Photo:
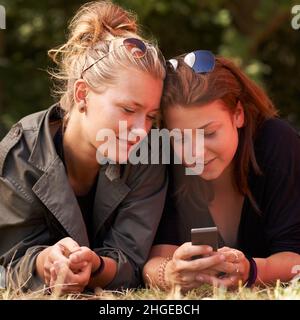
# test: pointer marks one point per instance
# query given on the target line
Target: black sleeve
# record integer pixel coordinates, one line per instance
(281, 198)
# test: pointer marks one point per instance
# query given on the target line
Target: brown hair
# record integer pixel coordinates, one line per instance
(227, 82)
(98, 28)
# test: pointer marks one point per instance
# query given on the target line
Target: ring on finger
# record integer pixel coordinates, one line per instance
(236, 256)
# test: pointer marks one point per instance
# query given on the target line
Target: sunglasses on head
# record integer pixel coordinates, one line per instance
(201, 61)
(136, 47)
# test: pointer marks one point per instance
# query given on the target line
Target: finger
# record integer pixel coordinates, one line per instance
(201, 263)
(61, 271)
(187, 251)
(185, 278)
(224, 249)
(53, 274)
(227, 267)
(65, 276)
(57, 254)
(69, 245)
(211, 272)
(82, 278)
(84, 254)
(77, 267)
(232, 255)
(231, 281)
(68, 289)
(47, 266)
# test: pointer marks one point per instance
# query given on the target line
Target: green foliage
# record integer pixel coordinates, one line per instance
(257, 34)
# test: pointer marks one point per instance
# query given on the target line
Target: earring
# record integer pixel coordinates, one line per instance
(81, 106)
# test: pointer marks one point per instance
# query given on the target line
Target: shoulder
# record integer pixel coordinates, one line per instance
(276, 130)
(277, 143)
(16, 146)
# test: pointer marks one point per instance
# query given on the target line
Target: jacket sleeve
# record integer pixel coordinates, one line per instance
(22, 237)
(22, 226)
(132, 233)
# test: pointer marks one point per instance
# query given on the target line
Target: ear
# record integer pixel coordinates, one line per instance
(239, 116)
(80, 91)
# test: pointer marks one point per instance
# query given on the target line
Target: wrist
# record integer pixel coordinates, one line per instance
(98, 267)
(252, 274)
(40, 262)
(164, 272)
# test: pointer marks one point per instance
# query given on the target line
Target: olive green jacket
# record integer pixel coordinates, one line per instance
(38, 206)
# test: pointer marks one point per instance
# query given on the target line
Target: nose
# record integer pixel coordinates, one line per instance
(139, 123)
(139, 127)
(193, 148)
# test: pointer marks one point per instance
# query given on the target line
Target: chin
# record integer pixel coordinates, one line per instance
(211, 175)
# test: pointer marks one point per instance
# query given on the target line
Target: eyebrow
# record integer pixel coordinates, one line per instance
(206, 125)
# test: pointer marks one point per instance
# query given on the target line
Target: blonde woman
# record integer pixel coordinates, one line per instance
(60, 210)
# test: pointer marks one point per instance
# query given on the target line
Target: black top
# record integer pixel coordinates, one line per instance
(277, 194)
(86, 202)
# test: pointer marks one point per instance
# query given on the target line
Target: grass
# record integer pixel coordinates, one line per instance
(290, 291)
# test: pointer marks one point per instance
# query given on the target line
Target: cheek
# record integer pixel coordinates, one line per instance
(224, 146)
(229, 146)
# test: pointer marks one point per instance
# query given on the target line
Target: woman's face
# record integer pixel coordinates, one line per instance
(220, 132)
(134, 98)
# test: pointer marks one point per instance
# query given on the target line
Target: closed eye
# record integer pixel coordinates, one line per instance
(152, 117)
(128, 110)
(210, 134)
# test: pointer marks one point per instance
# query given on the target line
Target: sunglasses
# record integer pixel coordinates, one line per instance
(201, 61)
(136, 47)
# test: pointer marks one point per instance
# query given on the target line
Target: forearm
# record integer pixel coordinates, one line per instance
(106, 276)
(152, 274)
(278, 266)
(155, 272)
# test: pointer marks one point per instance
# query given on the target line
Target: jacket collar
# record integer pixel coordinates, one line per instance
(44, 153)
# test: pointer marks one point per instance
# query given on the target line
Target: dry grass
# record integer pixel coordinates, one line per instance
(281, 291)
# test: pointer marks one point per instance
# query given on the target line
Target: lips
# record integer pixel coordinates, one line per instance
(127, 142)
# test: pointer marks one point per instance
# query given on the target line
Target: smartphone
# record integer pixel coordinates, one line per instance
(205, 236)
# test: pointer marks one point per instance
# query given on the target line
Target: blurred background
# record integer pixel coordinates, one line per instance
(257, 34)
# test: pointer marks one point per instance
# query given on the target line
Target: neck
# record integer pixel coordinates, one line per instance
(79, 153)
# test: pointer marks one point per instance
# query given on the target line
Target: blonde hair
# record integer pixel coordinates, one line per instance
(98, 29)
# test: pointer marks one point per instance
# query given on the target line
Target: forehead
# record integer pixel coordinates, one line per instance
(196, 116)
(141, 86)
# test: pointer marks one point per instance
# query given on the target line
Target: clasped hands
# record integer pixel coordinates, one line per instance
(68, 265)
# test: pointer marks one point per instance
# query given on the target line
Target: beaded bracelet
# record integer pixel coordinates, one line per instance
(161, 273)
(252, 272)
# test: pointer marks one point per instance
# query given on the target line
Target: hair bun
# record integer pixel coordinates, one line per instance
(99, 20)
